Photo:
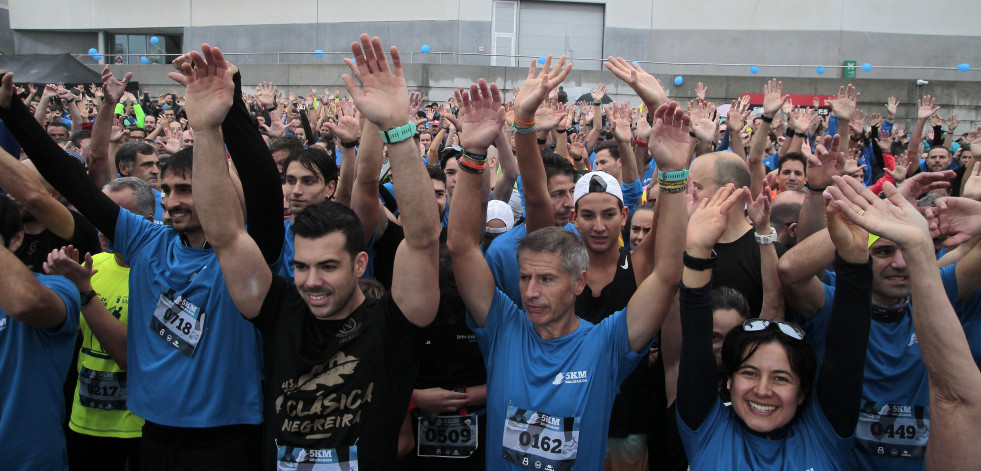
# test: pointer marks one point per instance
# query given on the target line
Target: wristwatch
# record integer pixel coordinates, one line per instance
(766, 239)
(398, 134)
(86, 296)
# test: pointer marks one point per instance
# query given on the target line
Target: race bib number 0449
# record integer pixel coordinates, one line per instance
(893, 430)
(540, 441)
(178, 321)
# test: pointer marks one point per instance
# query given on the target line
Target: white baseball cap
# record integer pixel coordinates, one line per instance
(597, 182)
(497, 209)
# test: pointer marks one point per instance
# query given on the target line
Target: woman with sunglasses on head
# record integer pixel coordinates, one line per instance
(780, 417)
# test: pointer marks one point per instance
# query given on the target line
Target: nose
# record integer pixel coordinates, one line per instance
(763, 387)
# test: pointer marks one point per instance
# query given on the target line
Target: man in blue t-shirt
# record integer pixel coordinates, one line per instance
(552, 376)
(890, 438)
(38, 321)
(309, 177)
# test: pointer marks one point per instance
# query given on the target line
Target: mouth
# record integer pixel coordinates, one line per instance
(179, 215)
(317, 299)
(534, 309)
(897, 279)
(761, 409)
(598, 240)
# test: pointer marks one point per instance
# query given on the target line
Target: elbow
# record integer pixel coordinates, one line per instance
(785, 270)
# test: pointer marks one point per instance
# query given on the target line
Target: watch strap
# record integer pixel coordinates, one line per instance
(699, 264)
(398, 134)
(679, 176)
(766, 239)
(86, 296)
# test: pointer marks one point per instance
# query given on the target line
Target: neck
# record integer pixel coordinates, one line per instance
(565, 326)
(357, 299)
(120, 261)
(34, 227)
(603, 260)
(195, 239)
(736, 225)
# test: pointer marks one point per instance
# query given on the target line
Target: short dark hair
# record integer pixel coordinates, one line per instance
(739, 345)
(327, 217)
(796, 156)
(436, 173)
(733, 171)
(290, 143)
(126, 155)
(180, 163)
(315, 160)
(611, 146)
(724, 297)
(555, 164)
(78, 136)
(10, 220)
(648, 206)
(58, 124)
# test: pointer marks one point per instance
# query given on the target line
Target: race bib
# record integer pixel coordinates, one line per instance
(179, 322)
(539, 441)
(289, 458)
(893, 430)
(102, 390)
(447, 436)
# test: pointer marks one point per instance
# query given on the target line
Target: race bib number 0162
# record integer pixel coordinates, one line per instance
(540, 441)
(448, 436)
(893, 430)
(289, 458)
(178, 321)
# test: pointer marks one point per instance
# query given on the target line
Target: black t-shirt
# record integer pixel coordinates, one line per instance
(384, 248)
(36, 247)
(738, 267)
(631, 412)
(450, 357)
(335, 384)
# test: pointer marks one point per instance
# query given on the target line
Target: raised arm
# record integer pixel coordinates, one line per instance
(924, 110)
(509, 168)
(102, 166)
(23, 185)
(773, 100)
(110, 331)
(843, 107)
(955, 401)
(347, 131)
(364, 196)
(385, 102)
(209, 97)
(822, 164)
(23, 297)
(538, 205)
(621, 133)
(759, 213)
(650, 303)
(483, 116)
(61, 170)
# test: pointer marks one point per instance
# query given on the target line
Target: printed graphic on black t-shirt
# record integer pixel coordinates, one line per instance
(34, 250)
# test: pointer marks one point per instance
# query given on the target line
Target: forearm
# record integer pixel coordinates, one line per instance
(76, 116)
(364, 195)
(845, 139)
(509, 169)
(102, 165)
(738, 147)
(414, 193)
(697, 388)
(562, 146)
(345, 178)
(839, 384)
(807, 259)
(772, 290)
(538, 206)
(811, 217)
(628, 161)
(433, 152)
(41, 112)
(110, 332)
(221, 221)
(913, 150)
(24, 298)
(24, 186)
(257, 170)
(307, 130)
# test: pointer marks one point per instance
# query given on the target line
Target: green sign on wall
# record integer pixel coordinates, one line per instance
(849, 70)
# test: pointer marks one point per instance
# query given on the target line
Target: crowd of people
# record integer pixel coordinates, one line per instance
(365, 279)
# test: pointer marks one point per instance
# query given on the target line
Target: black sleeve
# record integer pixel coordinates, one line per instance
(938, 136)
(260, 177)
(697, 386)
(839, 384)
(61, 170)
(879, 163)
(305, 122)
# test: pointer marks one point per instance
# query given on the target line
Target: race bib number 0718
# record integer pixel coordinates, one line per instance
(540, 441)
(178, 321)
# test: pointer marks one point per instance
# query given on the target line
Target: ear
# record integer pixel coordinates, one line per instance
(792, 230)
(575, 215)
(331, 187)
(360, 263)
(15, 241)
(729, 384)
(624, 212)
(579, 283)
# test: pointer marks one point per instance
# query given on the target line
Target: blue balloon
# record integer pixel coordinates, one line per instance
(635, 63)
(866, 67)
(964, 67)
(93, 51)
(97, 57)
(424, 49)
(541, 59)
(154, 40)
(820, 70)
(754, 69)
(144, 60)
(319, 53)
(678, 80)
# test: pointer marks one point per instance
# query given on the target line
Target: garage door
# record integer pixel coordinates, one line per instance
(573, 29)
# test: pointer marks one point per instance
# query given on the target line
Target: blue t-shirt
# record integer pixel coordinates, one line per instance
(632, 192)
(645, 179)
(722, 442)
(895, 375)
(572, 380)
(33, 365)
(158, 215)
(284, 266)
(193, 360)
(502, 258)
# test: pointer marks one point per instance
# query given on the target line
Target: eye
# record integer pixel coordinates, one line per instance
(782, 379)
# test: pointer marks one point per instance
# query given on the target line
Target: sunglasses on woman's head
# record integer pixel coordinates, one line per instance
(788, 329)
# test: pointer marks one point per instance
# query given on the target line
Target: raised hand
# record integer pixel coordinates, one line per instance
(773, 98)
(644, 84)
(598, 93)
(924, 182)
(669, 137)
(826, 162)
(547, 119)
(209, 87)
(758, 210)
(643, 131)
(577, 145)
(705, 127)
(265, 92)
(972, 187)
(738, 114)
(857, 125)
(899, 172)
(117, 128)
(112, 87)
(875, 119)
(893, 218)
(801, 119)
(415, 102)
(6, 88)
(936, 120)
(843, 105)
(952, 122)
(884, 141)
(482, 114)
(275, 129)
(925, 107)
(64, 262)
(348, 122)
(384, 99)
(708, 222)
(700, 90)
(851, 241)
(620, 121)
(891, 106)
(536, 87)
(958, 218)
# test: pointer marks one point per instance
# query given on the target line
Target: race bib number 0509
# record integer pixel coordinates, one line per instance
(540, 441)
(290, 458)
(448, 436)
(178, 321)
(893, 430)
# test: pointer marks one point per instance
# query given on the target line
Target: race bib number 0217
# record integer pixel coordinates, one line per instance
(101, 389)
(540, 441)
(291, 458)
(448, 436)
(893, 430)
(179, 322)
